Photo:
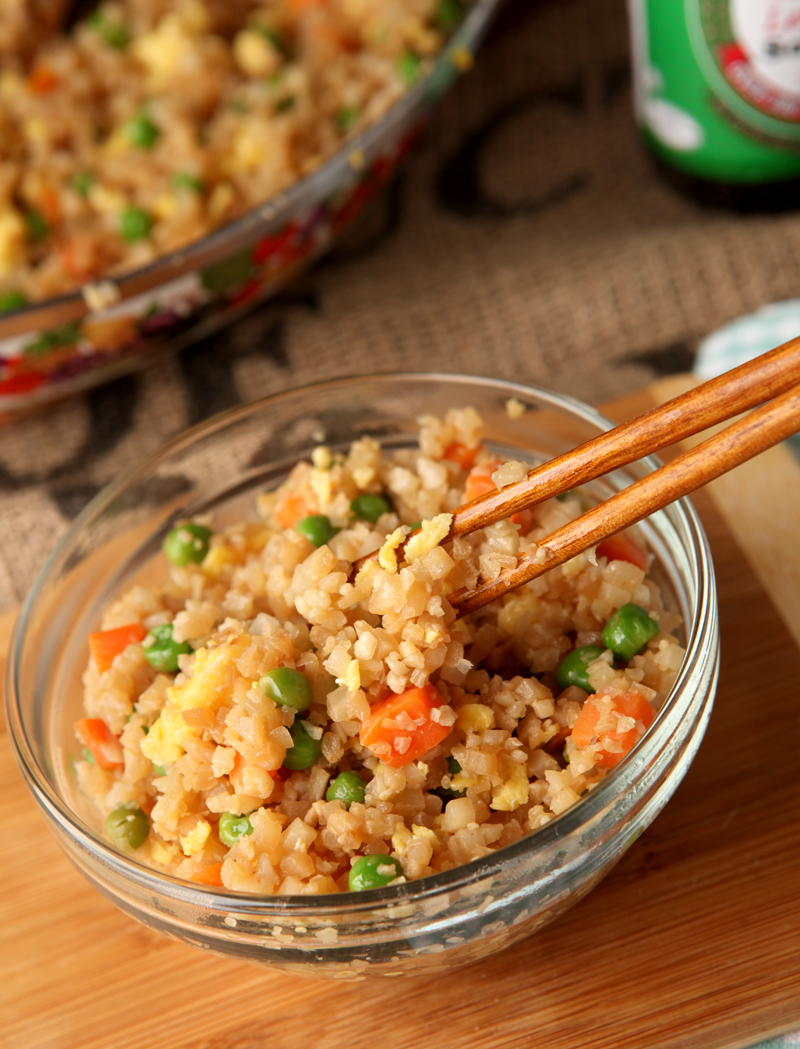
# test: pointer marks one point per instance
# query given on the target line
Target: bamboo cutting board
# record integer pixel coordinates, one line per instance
(692, 941)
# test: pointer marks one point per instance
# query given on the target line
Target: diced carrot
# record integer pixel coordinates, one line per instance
(105, 645)
(81, 257)
(524, 519)
(289, 509)
(209, 876)
(461, 454)
(400, 729)
(622, 548)
(78, 257)
(101, 742)
(598, 725)
(235, 775)
(50, 204)
(322, 29)
(479, 482)
(42, 80)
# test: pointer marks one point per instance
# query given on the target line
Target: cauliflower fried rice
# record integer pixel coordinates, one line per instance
(263, 722)
(154, 122)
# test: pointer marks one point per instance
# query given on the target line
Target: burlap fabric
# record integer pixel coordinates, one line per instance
(529, 237)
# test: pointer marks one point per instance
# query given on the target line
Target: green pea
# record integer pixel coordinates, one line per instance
(127, 826)
(231, 828)
(415, 526)
(447, 793)
(141, 132)
(159, 770)
(114, 34)
(572, 669)
(283, 105)
(371, 872)
(369, 506)
(275, 38)
(135, 224)
(317, 528)
(87, 756)
(345, 118)
(448, 14)
(305, 750)
(628, 631)
(408, 67)
(187, 544)
(287, 688)
(12, 300)
(186, 180)
(38, 228)
(162, 652)
(347, 788)
(82, 182)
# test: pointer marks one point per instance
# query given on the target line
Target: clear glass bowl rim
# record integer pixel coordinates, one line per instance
(431, 885)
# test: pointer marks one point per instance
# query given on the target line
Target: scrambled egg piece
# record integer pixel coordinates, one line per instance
(463, 781)
(475, 717)
(322, 486)
(364, 476)
(210, 685)
(171, 44)
(403, 837)
(513, 793)
(400, 839)
(222, 196)
(11, 84)
(254, 54)
(387, 558)
(108, 201)
(195, 840)
(250, 149)
(216, 559)
(433, 532)
(163, 852)
(12, 239)
(165, 206)
(322, 458)
(352, 676)
(35, 130)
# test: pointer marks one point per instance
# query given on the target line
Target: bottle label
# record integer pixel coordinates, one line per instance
(717, 85)
(749, 51)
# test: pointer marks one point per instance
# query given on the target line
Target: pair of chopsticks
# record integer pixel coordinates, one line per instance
(770, 380)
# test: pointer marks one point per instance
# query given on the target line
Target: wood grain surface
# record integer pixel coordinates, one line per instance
(692, 941)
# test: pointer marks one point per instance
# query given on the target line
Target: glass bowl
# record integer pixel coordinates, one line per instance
(436, 922)
(60, 345)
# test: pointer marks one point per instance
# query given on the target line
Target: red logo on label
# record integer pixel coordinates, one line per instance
(741, 75)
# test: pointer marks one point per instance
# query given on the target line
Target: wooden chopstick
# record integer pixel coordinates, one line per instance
(763, 428)
(713, 402)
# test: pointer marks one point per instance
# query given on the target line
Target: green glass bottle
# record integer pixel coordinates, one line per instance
(717, 91)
